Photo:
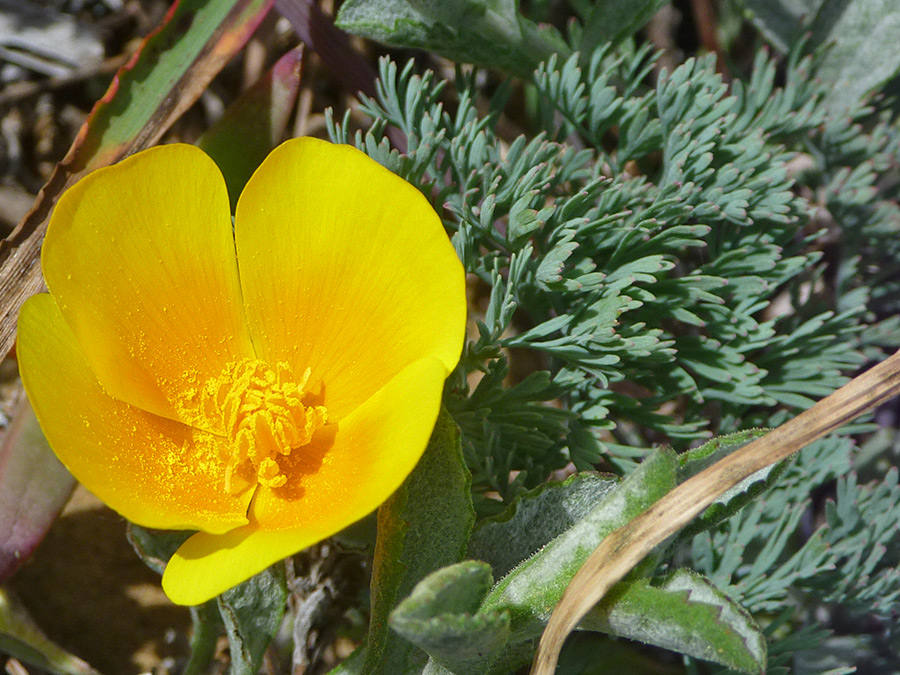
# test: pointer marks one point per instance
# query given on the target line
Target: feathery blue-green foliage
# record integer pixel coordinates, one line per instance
(663, 274)
(659, 258)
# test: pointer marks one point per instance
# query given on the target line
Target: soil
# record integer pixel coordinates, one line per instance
(89, 591)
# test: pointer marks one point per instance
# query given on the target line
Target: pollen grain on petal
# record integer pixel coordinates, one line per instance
(260, 410)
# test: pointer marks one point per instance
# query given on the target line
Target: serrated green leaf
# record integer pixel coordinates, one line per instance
(533, 588)
(439, 617)
(730, 502)
(484, 32)
(252, 613)
(535, 518)
(424, 526)
(685, 613)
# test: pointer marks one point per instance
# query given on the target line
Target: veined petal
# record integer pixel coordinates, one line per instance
(154, 471)
(140, 258)
(346, 270)
(334, 481)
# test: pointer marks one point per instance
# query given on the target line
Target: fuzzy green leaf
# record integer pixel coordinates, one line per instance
(612, 21)
(730, 502)
(424, 526)
(155, 547)
(687, 614)
(252, 612)
(535, 518)
(484, 32)
(863, 52)
(780, 20)
(531, 590)
(439, 617)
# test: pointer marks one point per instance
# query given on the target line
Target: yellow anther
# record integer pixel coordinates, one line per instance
(260, 410)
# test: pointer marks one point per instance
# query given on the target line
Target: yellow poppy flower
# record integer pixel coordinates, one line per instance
(266, 383)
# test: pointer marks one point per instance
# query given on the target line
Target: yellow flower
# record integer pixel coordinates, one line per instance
(267, 384)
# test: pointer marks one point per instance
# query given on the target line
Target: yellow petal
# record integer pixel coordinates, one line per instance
(154, 471)
(140, 257)
(339, 478)
(346, 270)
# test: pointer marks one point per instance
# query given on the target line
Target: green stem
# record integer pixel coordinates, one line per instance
(207, 623)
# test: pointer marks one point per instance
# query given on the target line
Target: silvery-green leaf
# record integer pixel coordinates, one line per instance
(252, 612)
(728, 503)
(534, 587)
(611, 21)
(484, 32)
(439, 617)
(863, 52)
(535, 518)
(155, 547)
(686, 613)
(782, 21)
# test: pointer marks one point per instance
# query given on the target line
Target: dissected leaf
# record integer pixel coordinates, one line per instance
(34, 488)
(164, 78)
(484, 32)
(254, 124)
(685, 613)
(535, 518)
(423, 527)
(439, 617)
(252, 613)
(22, 639)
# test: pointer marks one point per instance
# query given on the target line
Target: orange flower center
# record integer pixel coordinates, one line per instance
(260, 410)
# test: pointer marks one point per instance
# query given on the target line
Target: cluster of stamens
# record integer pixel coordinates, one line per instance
(260, 410)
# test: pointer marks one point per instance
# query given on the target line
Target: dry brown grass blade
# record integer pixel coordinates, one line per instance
(626, 547)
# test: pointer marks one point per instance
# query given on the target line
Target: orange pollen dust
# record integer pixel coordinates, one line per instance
(260, 410)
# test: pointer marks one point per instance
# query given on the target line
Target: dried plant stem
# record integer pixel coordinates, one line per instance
(620, 551)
